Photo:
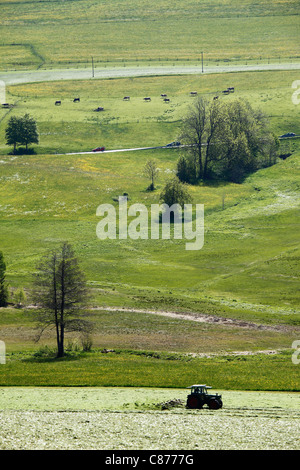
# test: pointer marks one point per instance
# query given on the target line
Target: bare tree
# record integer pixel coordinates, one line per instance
(151, 171)
(60, 292)
(193, 133)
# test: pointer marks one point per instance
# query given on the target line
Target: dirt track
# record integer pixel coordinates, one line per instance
(198, 317)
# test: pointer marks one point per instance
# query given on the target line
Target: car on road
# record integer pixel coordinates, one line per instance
(289, 134)
(173, 144)
(99, 149)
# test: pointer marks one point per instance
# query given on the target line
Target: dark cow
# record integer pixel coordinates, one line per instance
(216, 97)
(193, 93)
(76, 100)
(57, 103)
(147, 99)
(163, 95)
(231, 89)
(166, 100)
(225, 92)
(126, 98)
(99, 109)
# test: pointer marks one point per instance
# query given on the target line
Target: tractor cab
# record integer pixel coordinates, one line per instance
(199, 389)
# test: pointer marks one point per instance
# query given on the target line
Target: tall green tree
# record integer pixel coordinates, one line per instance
(21, 131)
(3, 284)
(60, 292)
(13, 133)
(29, 132)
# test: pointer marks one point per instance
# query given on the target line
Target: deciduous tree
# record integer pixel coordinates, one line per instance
(151, 171)
(60, 292)
(21, 131)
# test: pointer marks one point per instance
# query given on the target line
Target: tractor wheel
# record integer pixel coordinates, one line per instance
(192, 402)
(214, 404)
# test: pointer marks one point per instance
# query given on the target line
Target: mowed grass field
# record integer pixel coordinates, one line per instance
(132, 419)
(59, 33)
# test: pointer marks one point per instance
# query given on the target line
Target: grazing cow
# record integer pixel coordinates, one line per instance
(193, 93)
(99, 109)
(225, 92)
(231, 89)
(147, 99)
(216, 97)
(57, 103)
(76, 100)
(126, 98)
(163, 95)
(166, 100)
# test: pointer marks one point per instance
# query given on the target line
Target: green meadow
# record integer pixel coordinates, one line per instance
(247, 270)
(60, 33)
(251, 249)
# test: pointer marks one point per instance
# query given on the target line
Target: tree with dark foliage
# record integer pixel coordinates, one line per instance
(3, 284)
(21, 131)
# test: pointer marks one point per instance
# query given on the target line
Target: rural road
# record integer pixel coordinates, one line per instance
(149, 148)
(13, 78)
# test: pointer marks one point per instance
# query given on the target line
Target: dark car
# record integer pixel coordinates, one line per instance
(99, 149)
(173, 144)
(289, 134)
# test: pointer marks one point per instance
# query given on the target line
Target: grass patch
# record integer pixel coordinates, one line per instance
(130, 369)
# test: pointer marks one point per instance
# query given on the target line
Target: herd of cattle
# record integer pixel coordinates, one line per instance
(148, 98)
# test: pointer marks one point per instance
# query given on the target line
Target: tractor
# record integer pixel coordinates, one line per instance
(199, 397)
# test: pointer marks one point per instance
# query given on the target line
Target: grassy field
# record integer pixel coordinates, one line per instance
(249, 261)
(75, 127)
(138, 368)
(225, 315)
(133, 30)
(247, 270)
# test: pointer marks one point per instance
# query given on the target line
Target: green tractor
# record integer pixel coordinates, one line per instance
(199, 397)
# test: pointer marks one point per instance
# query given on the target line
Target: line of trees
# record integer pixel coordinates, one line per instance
(225, 141)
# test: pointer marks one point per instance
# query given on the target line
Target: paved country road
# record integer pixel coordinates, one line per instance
(12, 78)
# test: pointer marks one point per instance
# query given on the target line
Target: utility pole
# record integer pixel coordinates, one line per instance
(93, 74)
